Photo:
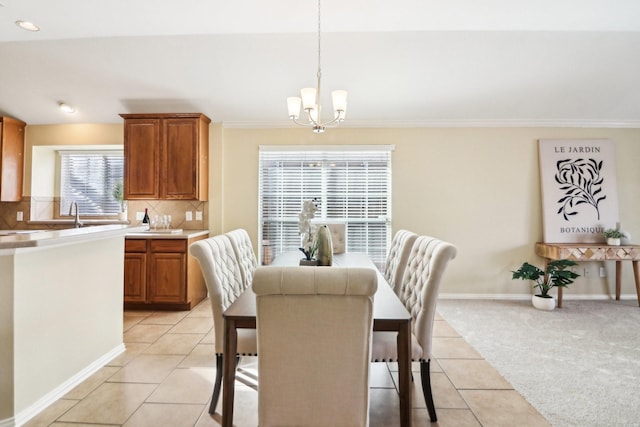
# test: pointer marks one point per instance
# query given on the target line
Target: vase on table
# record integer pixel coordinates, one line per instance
(324, 254)
(613, 241)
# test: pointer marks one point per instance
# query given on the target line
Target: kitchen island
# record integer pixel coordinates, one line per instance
(60, 313)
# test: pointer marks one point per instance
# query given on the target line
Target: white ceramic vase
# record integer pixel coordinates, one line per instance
(613, 241)
(325, 246)
(541, 303)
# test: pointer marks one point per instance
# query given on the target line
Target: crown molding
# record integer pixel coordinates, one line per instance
(454, 123)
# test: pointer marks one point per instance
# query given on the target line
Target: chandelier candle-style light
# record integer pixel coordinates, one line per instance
(310, 101)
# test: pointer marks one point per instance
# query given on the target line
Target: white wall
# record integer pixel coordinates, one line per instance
(6, 338)
(67, 314)
(478, 188)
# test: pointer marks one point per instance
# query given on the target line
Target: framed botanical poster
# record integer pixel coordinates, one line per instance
(579, 190)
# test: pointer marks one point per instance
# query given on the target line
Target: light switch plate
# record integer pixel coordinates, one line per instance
(188, 216)
(198, 215)
(139, 216)
(19, 216)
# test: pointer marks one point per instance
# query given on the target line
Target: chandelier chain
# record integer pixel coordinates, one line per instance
(319, 75)
(311, 99)
(319, 68)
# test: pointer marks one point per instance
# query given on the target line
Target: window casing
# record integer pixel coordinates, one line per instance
(351, 185)
(88, 178)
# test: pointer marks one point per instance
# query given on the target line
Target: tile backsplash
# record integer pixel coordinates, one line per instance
(9, 212)
(35, 208)
(176, 208)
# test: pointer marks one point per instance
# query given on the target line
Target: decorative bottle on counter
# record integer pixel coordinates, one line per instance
(325, 246)
(145, 219)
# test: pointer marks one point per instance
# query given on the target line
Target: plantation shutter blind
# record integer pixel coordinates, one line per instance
(89, 180)
(351, 185)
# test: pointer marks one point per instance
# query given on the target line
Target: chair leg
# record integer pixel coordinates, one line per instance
(217, 385)
(425, 374)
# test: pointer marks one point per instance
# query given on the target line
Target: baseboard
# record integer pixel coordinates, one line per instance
(523, 297)
(485, 296)
(62, 389)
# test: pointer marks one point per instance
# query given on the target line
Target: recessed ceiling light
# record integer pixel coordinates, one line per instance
(66, 108)
(26, 25)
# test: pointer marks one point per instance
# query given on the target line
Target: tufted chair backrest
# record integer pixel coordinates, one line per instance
(243, 249)
(338, 235)
(314, 339)
(397, 258)
(222, 276)
(427, 262)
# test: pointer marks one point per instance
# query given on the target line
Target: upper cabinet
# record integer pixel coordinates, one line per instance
(11, 159)
(166, 156)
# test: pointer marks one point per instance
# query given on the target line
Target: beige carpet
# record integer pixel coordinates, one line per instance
(578, 366)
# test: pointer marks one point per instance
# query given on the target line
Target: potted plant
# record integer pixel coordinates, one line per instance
(613, 236)
(118, 194)
(556, 274)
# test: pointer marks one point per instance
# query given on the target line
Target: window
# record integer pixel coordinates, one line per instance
(88, 178)
(351, 184)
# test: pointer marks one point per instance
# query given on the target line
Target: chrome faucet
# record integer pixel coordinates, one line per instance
(77, 222)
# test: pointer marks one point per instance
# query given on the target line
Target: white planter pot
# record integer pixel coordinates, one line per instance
(613, 241)
(540, 303)
(122, 216)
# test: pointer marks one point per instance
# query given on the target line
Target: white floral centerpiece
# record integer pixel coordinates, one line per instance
(309, 244)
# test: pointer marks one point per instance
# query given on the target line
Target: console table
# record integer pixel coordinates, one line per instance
(581, 252)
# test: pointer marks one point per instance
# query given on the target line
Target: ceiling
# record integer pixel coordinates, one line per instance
(404, 63)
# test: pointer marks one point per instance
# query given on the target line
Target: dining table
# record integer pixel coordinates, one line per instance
(389, 314)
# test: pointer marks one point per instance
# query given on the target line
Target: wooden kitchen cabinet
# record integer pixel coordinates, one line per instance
(11, 159)
(135, 270)
(160, 274)
(167, 271)
(166, 156)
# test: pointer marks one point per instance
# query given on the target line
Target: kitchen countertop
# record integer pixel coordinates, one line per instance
(34, 239)
(71, 222)
(140, 233)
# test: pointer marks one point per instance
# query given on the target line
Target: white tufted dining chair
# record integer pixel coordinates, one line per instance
(397, 258)
(338, 235)
(245, 255)
(426, 265)
(224, 282)
(314, 338)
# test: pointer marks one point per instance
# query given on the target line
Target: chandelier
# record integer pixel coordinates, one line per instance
(311, 103)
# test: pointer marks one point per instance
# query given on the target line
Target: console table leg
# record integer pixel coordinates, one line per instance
(619, 278)
(636, 274)
(559, 297)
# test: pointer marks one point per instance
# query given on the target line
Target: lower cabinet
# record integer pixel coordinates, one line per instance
(160, 274)
(135, 271)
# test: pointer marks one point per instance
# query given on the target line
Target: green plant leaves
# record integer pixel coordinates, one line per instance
(556, 274)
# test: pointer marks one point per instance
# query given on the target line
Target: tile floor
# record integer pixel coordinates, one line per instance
(165, 378)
